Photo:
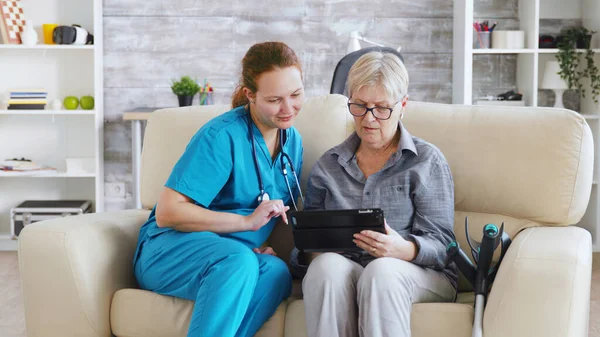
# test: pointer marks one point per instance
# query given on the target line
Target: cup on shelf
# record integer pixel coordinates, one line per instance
(508, 39)
(481, 40)
(206, 98)
(48, 30)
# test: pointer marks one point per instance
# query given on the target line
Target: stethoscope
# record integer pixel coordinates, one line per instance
(263, 194)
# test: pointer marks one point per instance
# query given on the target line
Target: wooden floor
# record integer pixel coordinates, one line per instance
(12, 320)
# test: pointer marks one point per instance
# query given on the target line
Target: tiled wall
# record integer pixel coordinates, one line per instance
(147, 43)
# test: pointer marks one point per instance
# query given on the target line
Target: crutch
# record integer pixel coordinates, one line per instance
(482, 274)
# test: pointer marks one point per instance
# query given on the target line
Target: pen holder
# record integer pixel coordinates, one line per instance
(206, 98)
(481, 40)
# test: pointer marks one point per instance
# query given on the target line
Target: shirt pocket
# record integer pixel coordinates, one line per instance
(397, 205)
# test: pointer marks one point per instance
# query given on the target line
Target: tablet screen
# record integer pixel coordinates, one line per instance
(333, 230)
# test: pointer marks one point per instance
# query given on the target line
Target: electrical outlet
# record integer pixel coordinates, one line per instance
(114, 190)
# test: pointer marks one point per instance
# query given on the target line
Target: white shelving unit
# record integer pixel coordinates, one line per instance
(49, 137)
(46, 47)
(530, 67)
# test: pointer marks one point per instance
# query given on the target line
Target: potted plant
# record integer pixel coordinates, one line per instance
(573, 67)
(185, 89)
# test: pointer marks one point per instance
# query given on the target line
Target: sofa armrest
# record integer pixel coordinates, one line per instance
(72, 266)
(543, 285)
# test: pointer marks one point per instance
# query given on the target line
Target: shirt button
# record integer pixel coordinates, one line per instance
(368, 193)
(399, 188)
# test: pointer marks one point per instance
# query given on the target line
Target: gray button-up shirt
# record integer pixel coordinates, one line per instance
(415, 190)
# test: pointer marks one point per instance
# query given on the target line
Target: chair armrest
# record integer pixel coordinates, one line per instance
(71, 267)
(543, 285)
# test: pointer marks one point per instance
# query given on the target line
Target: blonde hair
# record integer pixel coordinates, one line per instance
(377, 68)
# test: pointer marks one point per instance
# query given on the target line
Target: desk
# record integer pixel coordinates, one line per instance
(137, 116)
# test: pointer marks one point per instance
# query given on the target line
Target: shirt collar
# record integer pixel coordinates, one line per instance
(349, 146)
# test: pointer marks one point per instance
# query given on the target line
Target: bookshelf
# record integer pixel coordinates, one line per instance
(530, 67)
(49, 137)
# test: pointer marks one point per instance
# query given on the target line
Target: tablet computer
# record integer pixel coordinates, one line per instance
(333, 230)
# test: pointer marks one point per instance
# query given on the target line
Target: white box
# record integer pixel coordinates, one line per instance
(508, 39)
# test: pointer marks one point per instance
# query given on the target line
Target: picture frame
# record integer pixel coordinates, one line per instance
(12, 21)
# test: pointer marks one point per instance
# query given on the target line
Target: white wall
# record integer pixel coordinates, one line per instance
(591, 14)
(561, 9)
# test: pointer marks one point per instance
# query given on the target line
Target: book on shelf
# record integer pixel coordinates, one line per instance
(23, 165)
(27, 107)
(28, 173)
(33, 91)
(27, 101)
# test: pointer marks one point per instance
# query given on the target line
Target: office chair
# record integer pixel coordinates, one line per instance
(340, 75)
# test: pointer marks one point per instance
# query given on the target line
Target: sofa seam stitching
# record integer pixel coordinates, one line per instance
(66, 235)
(576, 173)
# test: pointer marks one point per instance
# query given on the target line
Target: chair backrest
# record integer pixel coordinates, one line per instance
(340, 75)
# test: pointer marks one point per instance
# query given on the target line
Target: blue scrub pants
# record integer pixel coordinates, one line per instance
(235, 290)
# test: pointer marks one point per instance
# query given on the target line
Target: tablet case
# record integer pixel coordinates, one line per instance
(333, 230)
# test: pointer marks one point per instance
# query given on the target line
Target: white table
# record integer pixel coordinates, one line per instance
(137, 116)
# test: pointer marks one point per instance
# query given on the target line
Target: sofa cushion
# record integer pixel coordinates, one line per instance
(137, 313)
(427, 319)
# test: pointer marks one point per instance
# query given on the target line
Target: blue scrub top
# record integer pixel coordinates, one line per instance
(217, 172)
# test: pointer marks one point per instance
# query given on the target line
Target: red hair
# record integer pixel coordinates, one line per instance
(259, 59)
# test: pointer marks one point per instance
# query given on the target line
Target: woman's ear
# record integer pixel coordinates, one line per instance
(249, 94)
(404, 101)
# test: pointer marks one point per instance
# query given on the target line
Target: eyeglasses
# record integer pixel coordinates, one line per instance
(359, 110)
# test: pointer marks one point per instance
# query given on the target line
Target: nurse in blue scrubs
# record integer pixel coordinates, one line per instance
(203, 240)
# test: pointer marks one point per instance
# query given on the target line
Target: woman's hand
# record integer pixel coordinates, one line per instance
(267, 210)
(391, 244)
(265, 250)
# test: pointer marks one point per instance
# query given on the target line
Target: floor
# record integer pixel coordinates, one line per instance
(12, 321)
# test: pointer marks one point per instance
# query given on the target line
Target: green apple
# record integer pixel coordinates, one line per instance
(71, 102)
(87, 102)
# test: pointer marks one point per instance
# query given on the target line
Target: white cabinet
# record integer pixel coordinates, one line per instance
(50, 137)
(530, 66)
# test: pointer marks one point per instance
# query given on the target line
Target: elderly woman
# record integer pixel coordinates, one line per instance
(370, 293)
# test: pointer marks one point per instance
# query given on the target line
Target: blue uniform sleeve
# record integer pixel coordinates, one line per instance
(205, 166)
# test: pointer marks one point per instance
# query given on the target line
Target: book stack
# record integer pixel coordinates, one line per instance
(23, 166)
(27, 100)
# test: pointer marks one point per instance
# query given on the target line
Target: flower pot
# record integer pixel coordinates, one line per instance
(185, 100)
(584, 42)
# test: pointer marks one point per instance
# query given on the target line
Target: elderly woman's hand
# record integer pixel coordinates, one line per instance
(391, 244)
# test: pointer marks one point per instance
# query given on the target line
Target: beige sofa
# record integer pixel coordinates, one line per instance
(530, 168)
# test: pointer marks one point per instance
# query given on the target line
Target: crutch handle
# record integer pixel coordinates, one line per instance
(462, 261)
(488, 245)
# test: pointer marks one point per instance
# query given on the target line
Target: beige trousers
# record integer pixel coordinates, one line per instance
(342, 298)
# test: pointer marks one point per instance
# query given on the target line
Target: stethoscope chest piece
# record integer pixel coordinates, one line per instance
(264, 197)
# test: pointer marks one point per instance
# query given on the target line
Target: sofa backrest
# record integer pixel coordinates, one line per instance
(521, 166)
(169, 130)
